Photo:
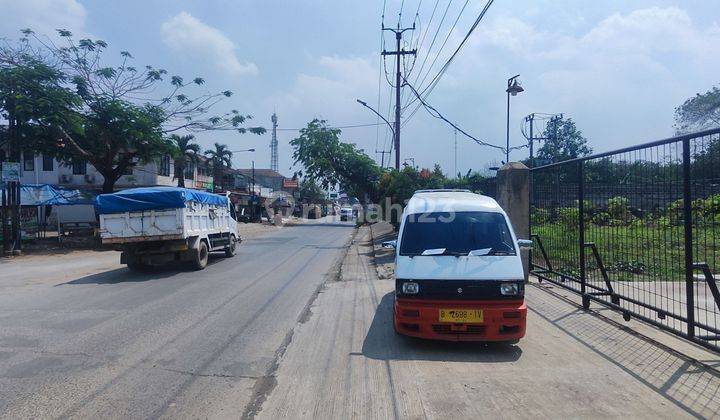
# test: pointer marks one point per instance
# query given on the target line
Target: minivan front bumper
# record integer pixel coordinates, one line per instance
(503, 320)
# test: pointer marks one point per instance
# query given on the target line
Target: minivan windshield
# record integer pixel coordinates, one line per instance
(458, 233)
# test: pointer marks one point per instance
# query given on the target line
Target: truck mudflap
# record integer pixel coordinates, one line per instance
(502, 320)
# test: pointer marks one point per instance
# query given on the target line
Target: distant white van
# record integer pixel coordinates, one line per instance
(458, 270)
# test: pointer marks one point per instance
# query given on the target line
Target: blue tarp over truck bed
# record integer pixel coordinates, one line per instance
(154, 198)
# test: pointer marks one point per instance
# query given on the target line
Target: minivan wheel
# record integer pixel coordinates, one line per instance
(201, 258)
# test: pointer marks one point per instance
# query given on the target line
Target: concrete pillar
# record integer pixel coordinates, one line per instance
(513, 195)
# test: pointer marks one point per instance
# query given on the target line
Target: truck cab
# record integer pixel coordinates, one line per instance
(459, 276)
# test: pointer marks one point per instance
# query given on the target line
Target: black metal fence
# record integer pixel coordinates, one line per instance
(637, 230)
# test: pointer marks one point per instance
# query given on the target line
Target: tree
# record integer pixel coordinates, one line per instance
(183, 150)
(32, 97)
(472, 180)
(396, 187)
(700, 112)
(332, 162)
(117, 122)
(220, 158)
(309, 192)
(563, 141)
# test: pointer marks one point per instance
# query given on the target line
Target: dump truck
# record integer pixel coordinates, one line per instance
(159, 225)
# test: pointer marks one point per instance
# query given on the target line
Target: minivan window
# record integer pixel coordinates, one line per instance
(458, 233)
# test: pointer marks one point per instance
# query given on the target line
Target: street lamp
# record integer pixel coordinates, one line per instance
(392, 129)
(513, 88)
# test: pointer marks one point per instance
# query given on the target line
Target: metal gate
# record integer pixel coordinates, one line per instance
(637, 230)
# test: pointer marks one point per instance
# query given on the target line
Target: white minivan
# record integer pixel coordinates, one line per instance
(458, 273)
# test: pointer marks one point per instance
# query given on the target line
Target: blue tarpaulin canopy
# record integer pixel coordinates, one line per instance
(154, 198)
(49, 195)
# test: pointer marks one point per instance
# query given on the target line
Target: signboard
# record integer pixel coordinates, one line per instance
(202, 185)
(290, 183)
(10, 172)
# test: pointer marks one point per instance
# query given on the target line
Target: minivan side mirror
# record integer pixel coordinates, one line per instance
(525, 243)
(390, 244)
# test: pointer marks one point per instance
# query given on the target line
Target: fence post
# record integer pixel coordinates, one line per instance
(687, 218)
(513, 195)
(581, 233)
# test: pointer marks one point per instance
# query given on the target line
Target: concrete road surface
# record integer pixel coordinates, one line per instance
(171, 343)
(347, 362)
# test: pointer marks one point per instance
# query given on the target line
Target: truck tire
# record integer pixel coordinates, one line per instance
(231, 249)
(201, 257)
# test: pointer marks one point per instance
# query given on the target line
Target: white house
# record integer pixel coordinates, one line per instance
(42, 169)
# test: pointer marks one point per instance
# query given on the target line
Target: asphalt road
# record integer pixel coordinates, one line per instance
(171, 343)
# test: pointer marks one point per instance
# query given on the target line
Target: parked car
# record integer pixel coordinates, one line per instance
(458, 272)
(346, 213)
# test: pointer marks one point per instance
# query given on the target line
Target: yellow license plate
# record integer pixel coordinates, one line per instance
(465, 316)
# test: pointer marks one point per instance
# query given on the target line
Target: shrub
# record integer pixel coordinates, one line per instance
(602, 218)
(664, 222)
(619, 209)
(539, 216)
(674, 212)
(712, 205)
(634, 267)
(568, 216)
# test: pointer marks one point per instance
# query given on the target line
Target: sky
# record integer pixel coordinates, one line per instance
(618, 68)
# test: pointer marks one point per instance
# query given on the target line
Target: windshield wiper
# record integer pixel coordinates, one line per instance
(434, 251)
(439, 251)
(489, 251)
(479, 252)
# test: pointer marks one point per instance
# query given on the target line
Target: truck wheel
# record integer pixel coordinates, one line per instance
(201, 258)
(231, 249)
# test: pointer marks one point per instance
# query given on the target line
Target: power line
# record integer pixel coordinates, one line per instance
(420, 39)
(432, 43)
(444, 42)
(416, 23)
(435, 113)
(431, 86)
(377, 119)
(334, 127)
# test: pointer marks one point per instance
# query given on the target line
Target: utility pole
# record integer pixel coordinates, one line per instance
(554, 121)
(252, 196)
(398, 53)
(382, 157)
(456, 171)
(530, 118)
(531, 140)
(274, 144)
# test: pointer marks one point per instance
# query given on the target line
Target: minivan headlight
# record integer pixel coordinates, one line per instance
(410, 288)
(509, 289)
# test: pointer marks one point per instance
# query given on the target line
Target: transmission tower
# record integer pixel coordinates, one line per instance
(274, 145)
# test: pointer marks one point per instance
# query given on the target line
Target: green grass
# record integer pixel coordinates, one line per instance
(636, 252)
